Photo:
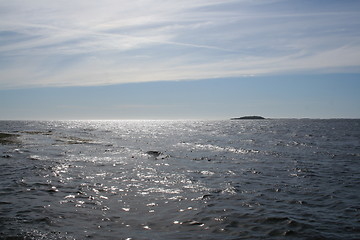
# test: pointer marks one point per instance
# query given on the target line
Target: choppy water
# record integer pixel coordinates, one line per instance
(266, 179)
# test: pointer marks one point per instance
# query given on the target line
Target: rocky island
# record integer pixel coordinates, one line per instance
(248, 118)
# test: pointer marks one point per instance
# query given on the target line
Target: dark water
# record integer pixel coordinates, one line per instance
(266, 179)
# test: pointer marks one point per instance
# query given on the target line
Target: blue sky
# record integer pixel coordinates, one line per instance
(207, 59)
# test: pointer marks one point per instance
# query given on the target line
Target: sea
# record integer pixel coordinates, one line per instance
(229, 179)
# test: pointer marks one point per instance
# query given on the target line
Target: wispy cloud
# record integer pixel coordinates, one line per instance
(66, 43)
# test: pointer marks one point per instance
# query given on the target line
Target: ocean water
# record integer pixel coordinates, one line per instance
(248, 179)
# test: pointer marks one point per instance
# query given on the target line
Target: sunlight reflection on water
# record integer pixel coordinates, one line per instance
(181, 179)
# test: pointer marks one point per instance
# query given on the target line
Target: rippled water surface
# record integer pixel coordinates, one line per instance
(259, 179)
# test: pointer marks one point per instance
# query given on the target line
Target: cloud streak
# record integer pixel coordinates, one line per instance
(76, 43)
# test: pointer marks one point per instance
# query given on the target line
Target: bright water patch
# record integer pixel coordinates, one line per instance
(269, 179)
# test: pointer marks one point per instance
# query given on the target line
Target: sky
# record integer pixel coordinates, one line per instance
(188, 59)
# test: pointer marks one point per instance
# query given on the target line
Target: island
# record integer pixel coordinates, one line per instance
(248, 118)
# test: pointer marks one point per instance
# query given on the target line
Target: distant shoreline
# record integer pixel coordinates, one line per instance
(249, 118)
